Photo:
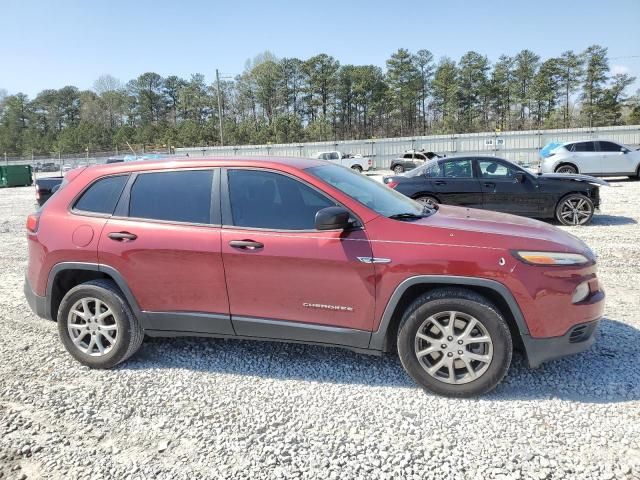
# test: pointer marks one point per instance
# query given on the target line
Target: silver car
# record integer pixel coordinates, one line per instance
(602, 158)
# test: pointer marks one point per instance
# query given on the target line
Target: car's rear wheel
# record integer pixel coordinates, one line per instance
(575, 209)
(398, 169)
(357, 168)
(570, 169)
(428, 200)
(96, 325)
(454, 342)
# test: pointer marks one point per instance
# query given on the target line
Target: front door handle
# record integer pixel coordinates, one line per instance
(440, 182)
(246, 244)
(122, 236)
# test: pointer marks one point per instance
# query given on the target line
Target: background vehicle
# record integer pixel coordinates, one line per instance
(603, 158)
(310, 252)
(496, 184)
(49, 167)
(45, 187)
(358, 163)
(410, 160)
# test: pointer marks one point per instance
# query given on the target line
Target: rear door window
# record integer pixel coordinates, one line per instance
(102, 195)
(583, 147)
(457, 168)
(179, 196)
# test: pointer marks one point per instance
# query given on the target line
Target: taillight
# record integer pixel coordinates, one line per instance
(392, 184)
(32, 222)
(370, 162)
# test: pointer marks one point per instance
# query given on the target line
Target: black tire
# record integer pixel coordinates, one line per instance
(129, 333)
(398, 169)
(357, 168)
(581, 203)
(465, 302)
(567, 168)
(427, 199)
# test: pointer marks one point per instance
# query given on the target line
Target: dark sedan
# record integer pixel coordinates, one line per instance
(496, 184)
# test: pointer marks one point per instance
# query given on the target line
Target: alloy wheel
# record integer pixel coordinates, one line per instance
(92, 327)
(453, 347)
(575, 211)
(428, 201)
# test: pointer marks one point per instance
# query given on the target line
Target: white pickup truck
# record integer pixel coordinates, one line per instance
(357, 162)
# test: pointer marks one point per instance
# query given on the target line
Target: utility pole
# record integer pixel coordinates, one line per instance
(219, 106)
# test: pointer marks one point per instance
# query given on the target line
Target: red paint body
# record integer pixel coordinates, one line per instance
(191, 268)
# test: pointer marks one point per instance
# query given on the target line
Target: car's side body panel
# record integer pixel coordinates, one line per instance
(328, 287)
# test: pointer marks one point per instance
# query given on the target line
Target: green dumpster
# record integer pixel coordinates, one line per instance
(15, 175)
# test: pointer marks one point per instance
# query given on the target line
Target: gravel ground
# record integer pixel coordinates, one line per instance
(202, 408)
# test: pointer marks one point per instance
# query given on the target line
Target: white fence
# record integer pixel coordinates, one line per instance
(518, 146)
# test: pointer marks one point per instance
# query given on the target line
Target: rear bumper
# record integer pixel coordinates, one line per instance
(37, 303)
(578, 339)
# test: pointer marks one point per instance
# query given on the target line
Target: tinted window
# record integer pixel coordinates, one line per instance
(457, 169)
(102, 196)
(583, 147)
(610, 147)
(429, 169)
(183, 196)
(375, 195)
(492, 169)
(268, 200)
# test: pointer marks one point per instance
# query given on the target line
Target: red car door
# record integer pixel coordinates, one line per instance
(169, 252)
(282, 274)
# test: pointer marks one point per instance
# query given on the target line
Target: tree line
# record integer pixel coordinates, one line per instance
(282, 100)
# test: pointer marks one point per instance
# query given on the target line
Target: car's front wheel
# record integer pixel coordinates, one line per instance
(454, 342)
(575, 209)
(96, 325)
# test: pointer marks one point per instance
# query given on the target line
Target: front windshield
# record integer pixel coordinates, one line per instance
(378, 197)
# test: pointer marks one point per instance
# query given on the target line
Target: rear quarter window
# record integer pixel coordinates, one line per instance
(102, 195)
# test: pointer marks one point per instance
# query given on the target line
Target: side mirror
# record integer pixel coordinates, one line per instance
(520, 177)
(333, 218)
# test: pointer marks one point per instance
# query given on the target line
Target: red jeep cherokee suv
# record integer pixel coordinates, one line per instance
(306, 251)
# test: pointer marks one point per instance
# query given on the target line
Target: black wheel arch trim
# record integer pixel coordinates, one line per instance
(378, 337)
(93, 267)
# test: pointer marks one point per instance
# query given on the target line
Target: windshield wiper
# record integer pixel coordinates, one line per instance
(405, 216)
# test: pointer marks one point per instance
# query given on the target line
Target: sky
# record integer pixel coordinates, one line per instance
(53, 43)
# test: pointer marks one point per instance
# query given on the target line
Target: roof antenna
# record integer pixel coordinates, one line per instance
(130, 148)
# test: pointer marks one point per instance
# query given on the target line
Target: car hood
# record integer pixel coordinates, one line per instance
(568, 177)
(484, 228)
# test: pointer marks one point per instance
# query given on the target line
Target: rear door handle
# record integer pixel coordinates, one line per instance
(489, 184)
(246, 244)
(440, 182)
(122, 236)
